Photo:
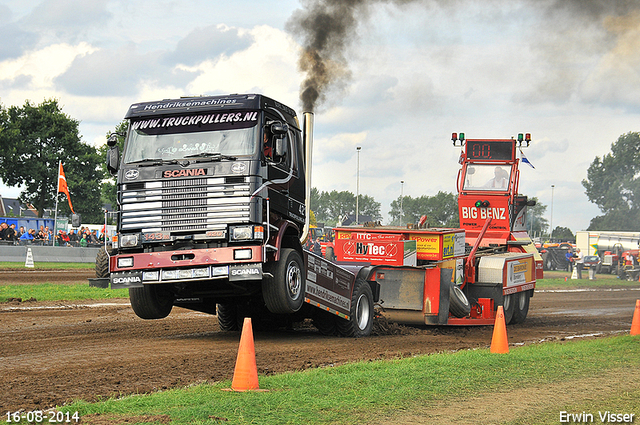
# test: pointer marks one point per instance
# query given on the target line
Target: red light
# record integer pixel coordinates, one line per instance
(454, 136)
(527, 137)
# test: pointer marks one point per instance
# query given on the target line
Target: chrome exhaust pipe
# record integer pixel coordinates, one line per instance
(308, 154)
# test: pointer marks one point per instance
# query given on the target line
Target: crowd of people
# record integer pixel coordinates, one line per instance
(81, 237)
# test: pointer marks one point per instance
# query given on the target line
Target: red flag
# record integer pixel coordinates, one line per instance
(62, 186)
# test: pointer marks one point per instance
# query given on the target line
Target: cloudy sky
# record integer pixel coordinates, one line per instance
(565, 71)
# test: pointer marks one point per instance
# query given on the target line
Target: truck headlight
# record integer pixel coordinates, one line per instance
(125, 262)
(242, 233)
(128, 241)
(245, 233)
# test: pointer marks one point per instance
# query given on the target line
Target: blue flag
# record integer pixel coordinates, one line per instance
(525, 160)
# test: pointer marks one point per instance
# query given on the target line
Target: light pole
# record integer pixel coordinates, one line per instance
(551, 221)
(401, 197)
(357, 182)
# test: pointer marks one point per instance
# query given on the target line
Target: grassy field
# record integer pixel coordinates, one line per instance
(59, 292)
(416, 390)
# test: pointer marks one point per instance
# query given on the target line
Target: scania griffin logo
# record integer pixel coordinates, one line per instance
(241, 272)
(193, 172)
(128, 279)
(131, 174)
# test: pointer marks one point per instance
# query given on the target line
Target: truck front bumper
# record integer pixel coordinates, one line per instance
(232, 263)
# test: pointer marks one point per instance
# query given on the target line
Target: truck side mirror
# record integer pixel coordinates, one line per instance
(279, 130)
(113, 159)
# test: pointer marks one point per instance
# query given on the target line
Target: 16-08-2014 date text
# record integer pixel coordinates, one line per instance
(40, 416)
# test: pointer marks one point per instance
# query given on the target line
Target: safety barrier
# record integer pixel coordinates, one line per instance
(49, 254)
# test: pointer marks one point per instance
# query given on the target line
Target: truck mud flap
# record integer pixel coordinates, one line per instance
(124, 280)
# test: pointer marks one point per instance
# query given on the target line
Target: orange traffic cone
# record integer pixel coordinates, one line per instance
(499, 343)
(245, 375)
(635, 324)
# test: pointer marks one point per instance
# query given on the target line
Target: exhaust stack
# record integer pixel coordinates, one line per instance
(308, 154)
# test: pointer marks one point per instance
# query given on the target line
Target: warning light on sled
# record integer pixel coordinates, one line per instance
(482, 204)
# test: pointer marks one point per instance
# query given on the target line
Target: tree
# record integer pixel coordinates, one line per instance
(563, 234)
(330, 207)
(441, 210)
(613, 184)
(34, 139)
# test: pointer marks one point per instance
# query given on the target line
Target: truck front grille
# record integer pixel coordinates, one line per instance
(185, 205)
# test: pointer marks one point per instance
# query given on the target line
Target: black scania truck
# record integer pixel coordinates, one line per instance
(211, 207)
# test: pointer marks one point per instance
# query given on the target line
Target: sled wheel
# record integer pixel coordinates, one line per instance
(151, 301)
(458, 303)
(284, 292)
(227, 317)
(521, 305)
(360, 322)
(509, 305)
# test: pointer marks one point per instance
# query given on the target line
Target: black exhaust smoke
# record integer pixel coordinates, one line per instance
(326, 28)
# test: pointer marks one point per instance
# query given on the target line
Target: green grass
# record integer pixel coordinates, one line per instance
(382, 391)
(59, 292)
(47, 266)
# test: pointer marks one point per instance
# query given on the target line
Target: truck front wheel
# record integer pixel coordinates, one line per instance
(151, 301)
(360, 322)
(283, 292)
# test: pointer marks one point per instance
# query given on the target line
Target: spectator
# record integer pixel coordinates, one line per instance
(28, 236)
(20, 232)
(83, 241)
(11, 234)
(569, 257)
(3, 231)
(579, 262)
(73, 237)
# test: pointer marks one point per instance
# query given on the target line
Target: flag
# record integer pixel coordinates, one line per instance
(62, 186)
(525, 160)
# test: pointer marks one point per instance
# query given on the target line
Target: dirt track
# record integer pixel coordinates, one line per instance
(52, 353)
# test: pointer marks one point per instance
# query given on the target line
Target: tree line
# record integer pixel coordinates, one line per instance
(34, 138)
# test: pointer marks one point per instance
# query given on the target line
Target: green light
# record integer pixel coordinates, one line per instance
(520, 137)
(461, 136)
(478, 204)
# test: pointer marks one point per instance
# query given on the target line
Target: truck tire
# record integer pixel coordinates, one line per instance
(228, 317)
(360, 322)
(458, 303)
(521, 307)
(325, 322)
(509, 306)
(151, 301)
(284, 292)
(102, 263)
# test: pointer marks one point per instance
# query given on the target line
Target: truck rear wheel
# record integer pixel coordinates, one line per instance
(360, 322)
(151, 301)
(521, 307)
(325, 322)
(458, 303)
(228, 317)
(284, 292)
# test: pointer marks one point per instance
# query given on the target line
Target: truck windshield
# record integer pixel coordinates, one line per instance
(169, 138)
(487, 177)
